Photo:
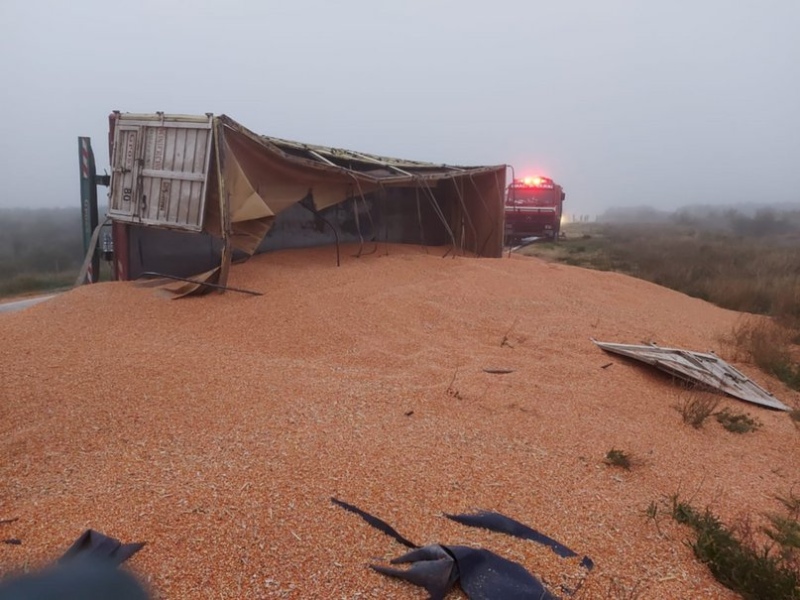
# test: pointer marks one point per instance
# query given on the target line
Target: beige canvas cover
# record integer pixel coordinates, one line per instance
(264, 176)
(236, 183)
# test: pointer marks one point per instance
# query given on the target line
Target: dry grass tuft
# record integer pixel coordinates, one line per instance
(616, 588)
(696, 407)
(769, 345)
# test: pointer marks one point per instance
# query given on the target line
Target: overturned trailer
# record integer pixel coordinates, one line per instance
(189, 194)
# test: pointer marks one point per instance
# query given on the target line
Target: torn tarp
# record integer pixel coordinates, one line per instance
(482, 574)
(230, 189)
(502, 524)
(705, 369)
(88, 569)
(80, 580)
(264, 176)
(97, 546)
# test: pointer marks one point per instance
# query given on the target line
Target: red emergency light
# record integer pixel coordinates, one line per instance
(534, 182)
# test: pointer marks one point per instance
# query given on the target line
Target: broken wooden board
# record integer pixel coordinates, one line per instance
(706, 369)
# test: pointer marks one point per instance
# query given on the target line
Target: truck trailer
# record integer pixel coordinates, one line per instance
(191, 194)
(533, 209)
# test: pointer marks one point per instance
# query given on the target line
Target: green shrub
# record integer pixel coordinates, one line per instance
(737, 422)
(757, 573)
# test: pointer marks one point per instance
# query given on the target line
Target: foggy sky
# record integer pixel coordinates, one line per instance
(661, 103)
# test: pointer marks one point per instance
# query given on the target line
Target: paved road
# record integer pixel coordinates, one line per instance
(21, 304)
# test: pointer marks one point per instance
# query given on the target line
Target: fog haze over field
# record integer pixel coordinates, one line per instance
(625, 103)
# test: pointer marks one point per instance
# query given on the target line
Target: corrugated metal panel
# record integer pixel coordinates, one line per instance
(160, 168)
(707, 369)
(328, 152)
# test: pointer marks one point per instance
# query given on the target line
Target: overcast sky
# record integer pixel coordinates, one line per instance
(625, 103)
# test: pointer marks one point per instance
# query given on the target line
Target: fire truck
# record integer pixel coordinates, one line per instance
(533, 209)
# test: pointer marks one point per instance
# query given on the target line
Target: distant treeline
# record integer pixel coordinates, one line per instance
(47, 240)
(43, 248)
(749, 222)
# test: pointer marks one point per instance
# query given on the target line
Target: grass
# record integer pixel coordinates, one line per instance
(757, 572)
(696, 407)
(35, 282)
(785, 529)
(619, 458)
(770, 346)
(745, 264)
(737, 422)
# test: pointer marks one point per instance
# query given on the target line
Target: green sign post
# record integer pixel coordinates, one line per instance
(89, 204)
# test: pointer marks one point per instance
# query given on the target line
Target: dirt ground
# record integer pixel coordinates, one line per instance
(216, 429)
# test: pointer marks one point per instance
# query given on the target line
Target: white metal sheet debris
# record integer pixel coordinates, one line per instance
(706, 369)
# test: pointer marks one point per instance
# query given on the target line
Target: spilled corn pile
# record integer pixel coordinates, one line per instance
(217, 428)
